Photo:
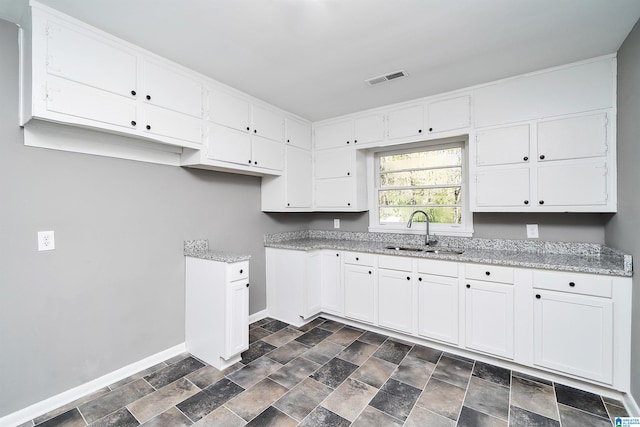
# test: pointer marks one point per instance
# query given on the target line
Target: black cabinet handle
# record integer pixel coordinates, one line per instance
(347, 142)
(348, 173)
(241, 271)
(369, 271)
(348, 204)
(488, 273)
(572, 284)
(288, 140)
(408, 278)
(133, 123)
(419, 130)
(133, 92)
(255, 163)
(538, 296)
(468, 286)
(526, 202)
(541, 202)
(357, 259)
(288, 204)
(148, 127)
(541, 156)
(249, 161)
(247, 285)
(355, 141)
(248, 128)
(430, 129)
(419, 279)
(255, 131)
(525, 158)
(337, 254)
(148, 97)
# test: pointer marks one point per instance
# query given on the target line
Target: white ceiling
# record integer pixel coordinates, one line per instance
(311, 57)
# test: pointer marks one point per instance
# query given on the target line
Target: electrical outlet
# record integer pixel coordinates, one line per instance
(336, 223)
(532, 231)
(46, 241)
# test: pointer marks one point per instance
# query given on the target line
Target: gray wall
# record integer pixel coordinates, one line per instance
(111, 293)
(623, 229)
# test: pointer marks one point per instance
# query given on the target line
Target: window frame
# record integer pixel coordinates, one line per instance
(465, 229)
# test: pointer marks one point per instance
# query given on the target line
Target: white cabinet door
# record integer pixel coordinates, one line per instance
(502, 146)
(298, 178)
(502, 187)
(489, 318)
(573, 138)
(228, 145)
(312, 295)
(406, 122)
(336, 163)
(331, 294)
(237, 324)
(368, 129)
(169, 88)
(85, 102)
(395, 300)
(438, 308)
(267, 153)
(575, 184)
(298, 133)
(162, 122)
(228, 109)
(333, 135)
(449, 114)
(359, 293)
(335, 193)
(574, 334)
(84, 57)
(267, 123)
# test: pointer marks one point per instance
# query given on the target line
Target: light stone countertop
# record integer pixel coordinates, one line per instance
(200, 249)
(561, 256)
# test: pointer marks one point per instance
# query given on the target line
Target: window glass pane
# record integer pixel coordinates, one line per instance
(421, 160)
(422, 177)
(437, 215)
(420, 196)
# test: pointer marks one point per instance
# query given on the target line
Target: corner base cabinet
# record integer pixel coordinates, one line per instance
(217, 310)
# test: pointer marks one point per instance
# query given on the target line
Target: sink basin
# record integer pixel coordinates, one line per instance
(423, 249)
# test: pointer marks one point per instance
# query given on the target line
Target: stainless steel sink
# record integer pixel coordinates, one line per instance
(428, 250)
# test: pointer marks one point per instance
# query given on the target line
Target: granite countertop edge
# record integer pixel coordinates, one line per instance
(558, 256)
(199, 248)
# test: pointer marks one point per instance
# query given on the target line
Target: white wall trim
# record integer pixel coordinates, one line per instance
(47, 405)
(258, 316)
(631, 405)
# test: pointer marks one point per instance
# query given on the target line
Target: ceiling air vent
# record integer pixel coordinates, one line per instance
(387, 77)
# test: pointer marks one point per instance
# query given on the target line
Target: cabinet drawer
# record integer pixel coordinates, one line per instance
(395, 263)
(489, 273)
(358, 258)
(438, 268)
(238, 270)
(573, 283)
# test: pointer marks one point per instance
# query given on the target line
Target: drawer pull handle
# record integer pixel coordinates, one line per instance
(468, 286)
(572, 284)
(488, 273)
(538, 296)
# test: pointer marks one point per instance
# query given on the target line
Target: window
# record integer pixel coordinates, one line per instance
(430, 178)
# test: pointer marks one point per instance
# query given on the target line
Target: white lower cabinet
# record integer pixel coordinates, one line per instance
(489, 314)
(395, 300)
(438, 308)
(331, 294)
(216, 310)
(359, 292)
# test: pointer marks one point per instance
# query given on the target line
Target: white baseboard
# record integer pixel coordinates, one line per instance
(47, 405)
(258, 316)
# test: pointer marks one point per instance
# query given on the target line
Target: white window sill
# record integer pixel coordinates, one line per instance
(432, 231)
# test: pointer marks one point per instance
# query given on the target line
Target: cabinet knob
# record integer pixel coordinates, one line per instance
(541, 202)
(348, 204)
(148, 97)
(255, 163)
(148, 127)
(468, 286)
(241, 271)
(133, 92)
(247, 285)
(408, 278)
(357, 259)
(337, 254)
(347, 142)
(525, 158)
(133, 123)
(488, 273)
(419, 130)
(572, 284)
(538, 296)
(248, 128)
(430, 129)
(369, 271)
(288, 204)
(348, 173)
(288, 140)
(541, 156)
(355, 141)
(526, 202)
(255, 131)
(249, 161)
(419, 279)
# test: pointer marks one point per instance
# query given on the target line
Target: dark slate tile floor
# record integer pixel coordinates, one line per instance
(326, 373)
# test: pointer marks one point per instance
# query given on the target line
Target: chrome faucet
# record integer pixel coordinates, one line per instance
(427, 240)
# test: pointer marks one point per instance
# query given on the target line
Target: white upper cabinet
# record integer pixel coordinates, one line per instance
(502, 188)
(227, 145)
(579, 88)
(333, 135)
(368, 129)
(449, 114)
(334, 163)
(503, 146)
(228, 109)
(171, 89)
(406, 122)
(573, 138)
(297, 133)
(267, 123)
(161, 122)
(573, 184)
